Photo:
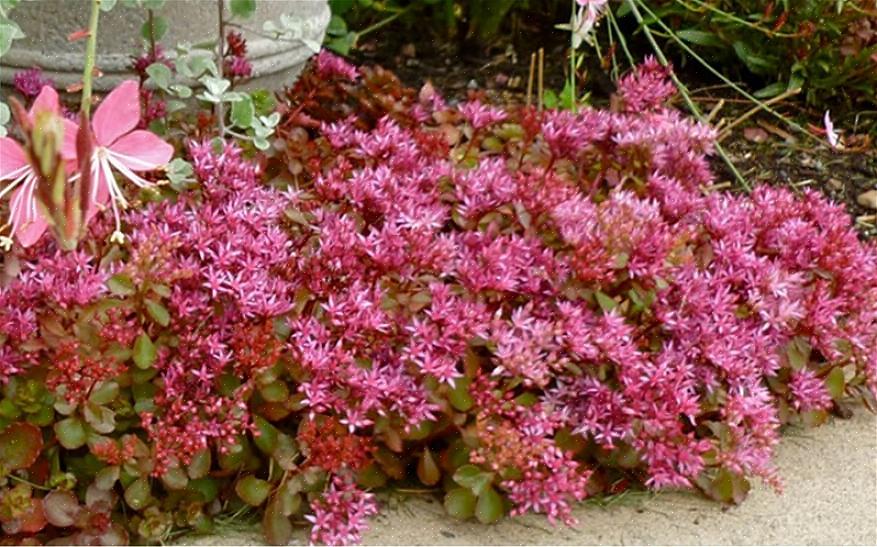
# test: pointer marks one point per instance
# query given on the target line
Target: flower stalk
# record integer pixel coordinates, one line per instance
(90, 54)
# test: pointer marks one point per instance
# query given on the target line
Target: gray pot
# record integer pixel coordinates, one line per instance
(47, 23)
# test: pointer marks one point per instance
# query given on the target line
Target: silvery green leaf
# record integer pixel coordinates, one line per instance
(159, 74)
(261, 143)
(174, 106)
(9, 31)
(5, 114)
(270, 121)
(107, 5)
(270, 26)
(233, 96)
(200, 64)
(242, 112)
(262, 131)
(210, 97)
(181, 91)
(216, 86)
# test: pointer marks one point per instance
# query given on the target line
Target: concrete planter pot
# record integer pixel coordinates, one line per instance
(47, 23)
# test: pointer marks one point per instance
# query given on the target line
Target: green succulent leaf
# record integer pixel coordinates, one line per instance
(242, 8)
(70, 433)
(473, 478)
(489, 508)
(252, 490)
(157, 312)
(460, 503)
(145, 352)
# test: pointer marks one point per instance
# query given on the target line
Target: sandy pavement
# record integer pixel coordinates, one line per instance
(830, 497)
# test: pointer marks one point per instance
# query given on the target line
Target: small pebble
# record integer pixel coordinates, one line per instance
(868, 199)
(835, 184)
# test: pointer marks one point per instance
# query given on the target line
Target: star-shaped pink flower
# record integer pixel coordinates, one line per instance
(26, 222)
(119, 147)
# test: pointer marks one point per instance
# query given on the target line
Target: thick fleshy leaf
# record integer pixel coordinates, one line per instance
(252, 490)
(460, 503)
(427, 469)
(71, 433)
(12, 157)
(20, 445)
(34, 519)
(473, 478)
(275, 525)
(142, 151)
(138, 494)
(118, 114)
(489, 508)
(61, 508)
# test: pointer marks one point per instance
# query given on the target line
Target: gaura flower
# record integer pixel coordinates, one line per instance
(830, 133)
(118, 146)
(26, 223)
(585, 20)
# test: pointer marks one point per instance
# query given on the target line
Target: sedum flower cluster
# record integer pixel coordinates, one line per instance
(522, 308)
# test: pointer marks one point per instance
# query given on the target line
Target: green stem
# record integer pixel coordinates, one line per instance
(383, 22)
(683, 90)
(572, 57)
(621, 39)
(735, 19)
(90, 54)
(151, 34)
(220, 64)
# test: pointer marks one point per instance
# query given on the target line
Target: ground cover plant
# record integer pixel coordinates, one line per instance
(518, 307)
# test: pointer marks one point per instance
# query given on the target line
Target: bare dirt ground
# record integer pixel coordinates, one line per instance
(764, 149)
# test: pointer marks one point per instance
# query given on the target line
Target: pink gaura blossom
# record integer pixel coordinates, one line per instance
(122, 148)
(26, 222)
(830, 133)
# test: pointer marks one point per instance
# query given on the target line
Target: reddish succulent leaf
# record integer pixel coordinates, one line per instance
(35, 519)
(61, 508)
(20, 445)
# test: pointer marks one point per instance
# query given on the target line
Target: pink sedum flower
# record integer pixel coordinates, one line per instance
(26, 224)
(339, 516)
(122, 148)
(30, 82)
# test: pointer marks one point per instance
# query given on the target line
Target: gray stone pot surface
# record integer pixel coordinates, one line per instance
(47, 23)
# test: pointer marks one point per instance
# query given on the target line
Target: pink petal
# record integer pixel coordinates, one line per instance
(118, 114)
(46, 100)
(29, 222)
(101, 193)
(142, 151)
(12, 157)
(68, 149)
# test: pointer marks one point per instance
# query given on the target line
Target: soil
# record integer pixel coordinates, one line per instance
(764, 149)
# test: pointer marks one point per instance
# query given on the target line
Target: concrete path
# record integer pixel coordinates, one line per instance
(830, 498)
